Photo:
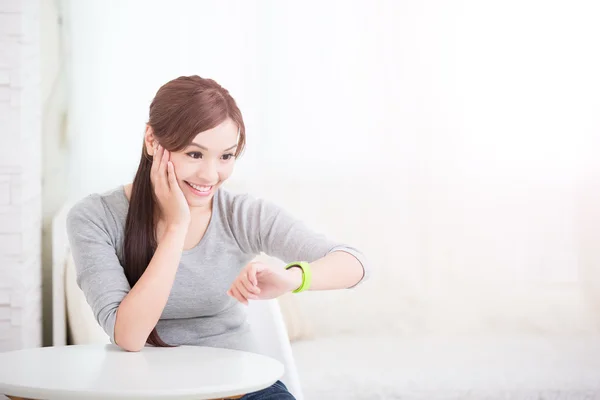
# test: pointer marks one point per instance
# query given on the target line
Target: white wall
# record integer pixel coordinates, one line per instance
(123, 51)
(20, 176)
(478, 118)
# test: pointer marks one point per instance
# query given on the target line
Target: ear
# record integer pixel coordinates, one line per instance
(149, 140)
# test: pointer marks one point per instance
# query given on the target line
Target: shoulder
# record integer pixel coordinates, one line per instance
(96, 208)
(89, 207)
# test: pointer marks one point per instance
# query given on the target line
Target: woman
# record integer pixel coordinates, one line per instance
(166, 260)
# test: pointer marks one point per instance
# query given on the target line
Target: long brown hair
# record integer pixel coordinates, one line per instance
(181, 109)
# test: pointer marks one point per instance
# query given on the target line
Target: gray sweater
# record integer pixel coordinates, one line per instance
(198, 311)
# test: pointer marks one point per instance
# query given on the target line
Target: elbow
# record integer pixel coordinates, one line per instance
(128, 339)
(358, 280)
(129, 344)
(132, 349)
(354, 258)
(361, 270)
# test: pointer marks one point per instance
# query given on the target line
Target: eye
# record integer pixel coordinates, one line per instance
(195, 155)
(228, 156)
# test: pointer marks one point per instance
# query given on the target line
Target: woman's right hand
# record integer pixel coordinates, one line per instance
(171, 200)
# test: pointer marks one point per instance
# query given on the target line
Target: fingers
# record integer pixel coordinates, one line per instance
(162, 168)
(156, 158)
(240, 286)
(172, 178)
(155, 170)
(237, 295)
(247, 279)
(239, 291)
(252, 274)
(158, 171)
(245, 287)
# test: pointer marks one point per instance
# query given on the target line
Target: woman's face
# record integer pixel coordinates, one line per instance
(206, 163)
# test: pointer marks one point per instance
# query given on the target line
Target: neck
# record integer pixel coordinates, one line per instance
(201, 212)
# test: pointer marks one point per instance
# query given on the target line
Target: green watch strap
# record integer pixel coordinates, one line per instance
(306, 274)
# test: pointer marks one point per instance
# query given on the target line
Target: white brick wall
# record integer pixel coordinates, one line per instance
(20, 175)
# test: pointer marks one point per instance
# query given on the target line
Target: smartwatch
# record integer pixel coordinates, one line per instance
(306, 274)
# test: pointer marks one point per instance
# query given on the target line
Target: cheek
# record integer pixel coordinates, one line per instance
(226, 171)
(182, 168)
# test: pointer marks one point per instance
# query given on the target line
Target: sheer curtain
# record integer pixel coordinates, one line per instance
(475, 123)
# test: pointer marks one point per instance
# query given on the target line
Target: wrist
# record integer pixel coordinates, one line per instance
(175, 233)
(295, 274)
(177, 228)
(304, 273)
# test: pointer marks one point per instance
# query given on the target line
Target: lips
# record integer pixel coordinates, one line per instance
(200, 190)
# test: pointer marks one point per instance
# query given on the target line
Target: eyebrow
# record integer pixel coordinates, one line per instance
(206, 149)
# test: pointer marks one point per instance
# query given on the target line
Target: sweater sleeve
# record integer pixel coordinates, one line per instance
(261, 226)
(99, 272)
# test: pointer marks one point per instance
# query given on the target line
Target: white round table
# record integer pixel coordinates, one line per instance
(108, 372)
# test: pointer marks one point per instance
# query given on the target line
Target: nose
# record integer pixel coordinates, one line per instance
(209, 173)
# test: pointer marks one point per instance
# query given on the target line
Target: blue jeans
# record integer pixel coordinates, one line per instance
(277, 391)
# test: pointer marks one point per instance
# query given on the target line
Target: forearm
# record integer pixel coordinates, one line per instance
(141, 309)
(337, 270)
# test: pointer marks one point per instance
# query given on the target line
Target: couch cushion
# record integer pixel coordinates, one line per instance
(477, 368)
(82, 325)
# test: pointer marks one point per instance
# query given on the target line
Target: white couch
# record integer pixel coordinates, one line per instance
(406, 334)
(418, 330)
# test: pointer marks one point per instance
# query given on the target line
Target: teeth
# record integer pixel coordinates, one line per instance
(200, 188)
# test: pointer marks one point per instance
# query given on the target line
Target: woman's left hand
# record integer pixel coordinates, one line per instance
(260, 281)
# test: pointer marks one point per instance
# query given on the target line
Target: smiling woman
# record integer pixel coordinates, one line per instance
(167, 259)
(174, 132)
(200, 147)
